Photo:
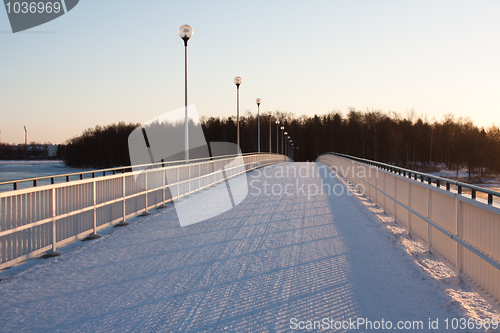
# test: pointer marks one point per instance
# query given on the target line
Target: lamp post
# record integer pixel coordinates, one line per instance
(270, 113)
(291, 154)
(297, 149)
(286, 145)
(282, 129)
(186, 32)
(258, 100)
(277, 135)
(289, 141)
(237, 82)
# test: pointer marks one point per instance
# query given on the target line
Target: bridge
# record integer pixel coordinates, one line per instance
(303, 248)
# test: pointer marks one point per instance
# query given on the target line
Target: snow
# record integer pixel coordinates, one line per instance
(463, 295)
(254, 268)
(15, 170)
(445, 173)
(489, 181)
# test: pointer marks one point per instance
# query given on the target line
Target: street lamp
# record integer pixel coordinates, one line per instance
(282, 129)
(286, 148)
(237, 82)
(270, 113)
(258, 100)
(277, 133)
(186, 32)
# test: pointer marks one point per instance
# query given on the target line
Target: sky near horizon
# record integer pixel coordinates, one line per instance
(121, 60)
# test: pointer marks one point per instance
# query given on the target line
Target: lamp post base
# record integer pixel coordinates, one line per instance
(91, 237)
(50, 254)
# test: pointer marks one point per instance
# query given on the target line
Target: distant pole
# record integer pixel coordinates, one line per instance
(25, 136)
(258, 101)
(237, 82)
(277, 135)
(286, 143)
(282, 141)
(270, 131)
(185, 32)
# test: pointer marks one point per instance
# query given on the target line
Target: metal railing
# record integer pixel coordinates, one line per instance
(463, 229)
(430, 179)
(40, 219)
(67, 177)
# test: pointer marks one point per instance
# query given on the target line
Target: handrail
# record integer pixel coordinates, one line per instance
(425, 176)
(123, 169)
(40, 219)
(470, 227)
(133, 170)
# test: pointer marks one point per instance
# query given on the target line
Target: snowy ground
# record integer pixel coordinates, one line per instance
(264, 266)
(15, 170)
(491, 182)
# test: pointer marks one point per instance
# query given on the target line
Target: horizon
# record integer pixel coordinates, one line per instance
(402, 116)
(104, 63)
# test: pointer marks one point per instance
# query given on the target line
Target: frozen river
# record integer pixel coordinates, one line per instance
(15, 170)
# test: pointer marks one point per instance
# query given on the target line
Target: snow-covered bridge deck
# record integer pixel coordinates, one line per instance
(255, 268)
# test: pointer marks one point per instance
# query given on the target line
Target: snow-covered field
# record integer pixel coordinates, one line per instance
(274, 263)
(15, 170)
(491, 182)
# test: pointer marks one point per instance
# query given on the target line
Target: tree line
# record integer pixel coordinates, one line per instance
(99, 147)
(408, 141)
(31, 151)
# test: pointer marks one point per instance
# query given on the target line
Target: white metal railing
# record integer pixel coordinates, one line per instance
(67, 177)
(461, 228)
(41, 219)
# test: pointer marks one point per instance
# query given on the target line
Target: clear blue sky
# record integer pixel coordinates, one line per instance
(122, 60)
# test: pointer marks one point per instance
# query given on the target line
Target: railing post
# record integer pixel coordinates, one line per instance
(146, 213)
(54, 238)
(383, 194)
(124, 200)
(53, 252)
(164, 175)
(178, 184)
(429, 217)
(189, 180)
(459, 268)
(409, 205)
(123, 223)
(94, 234)
(95, 209)
(395, 196)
